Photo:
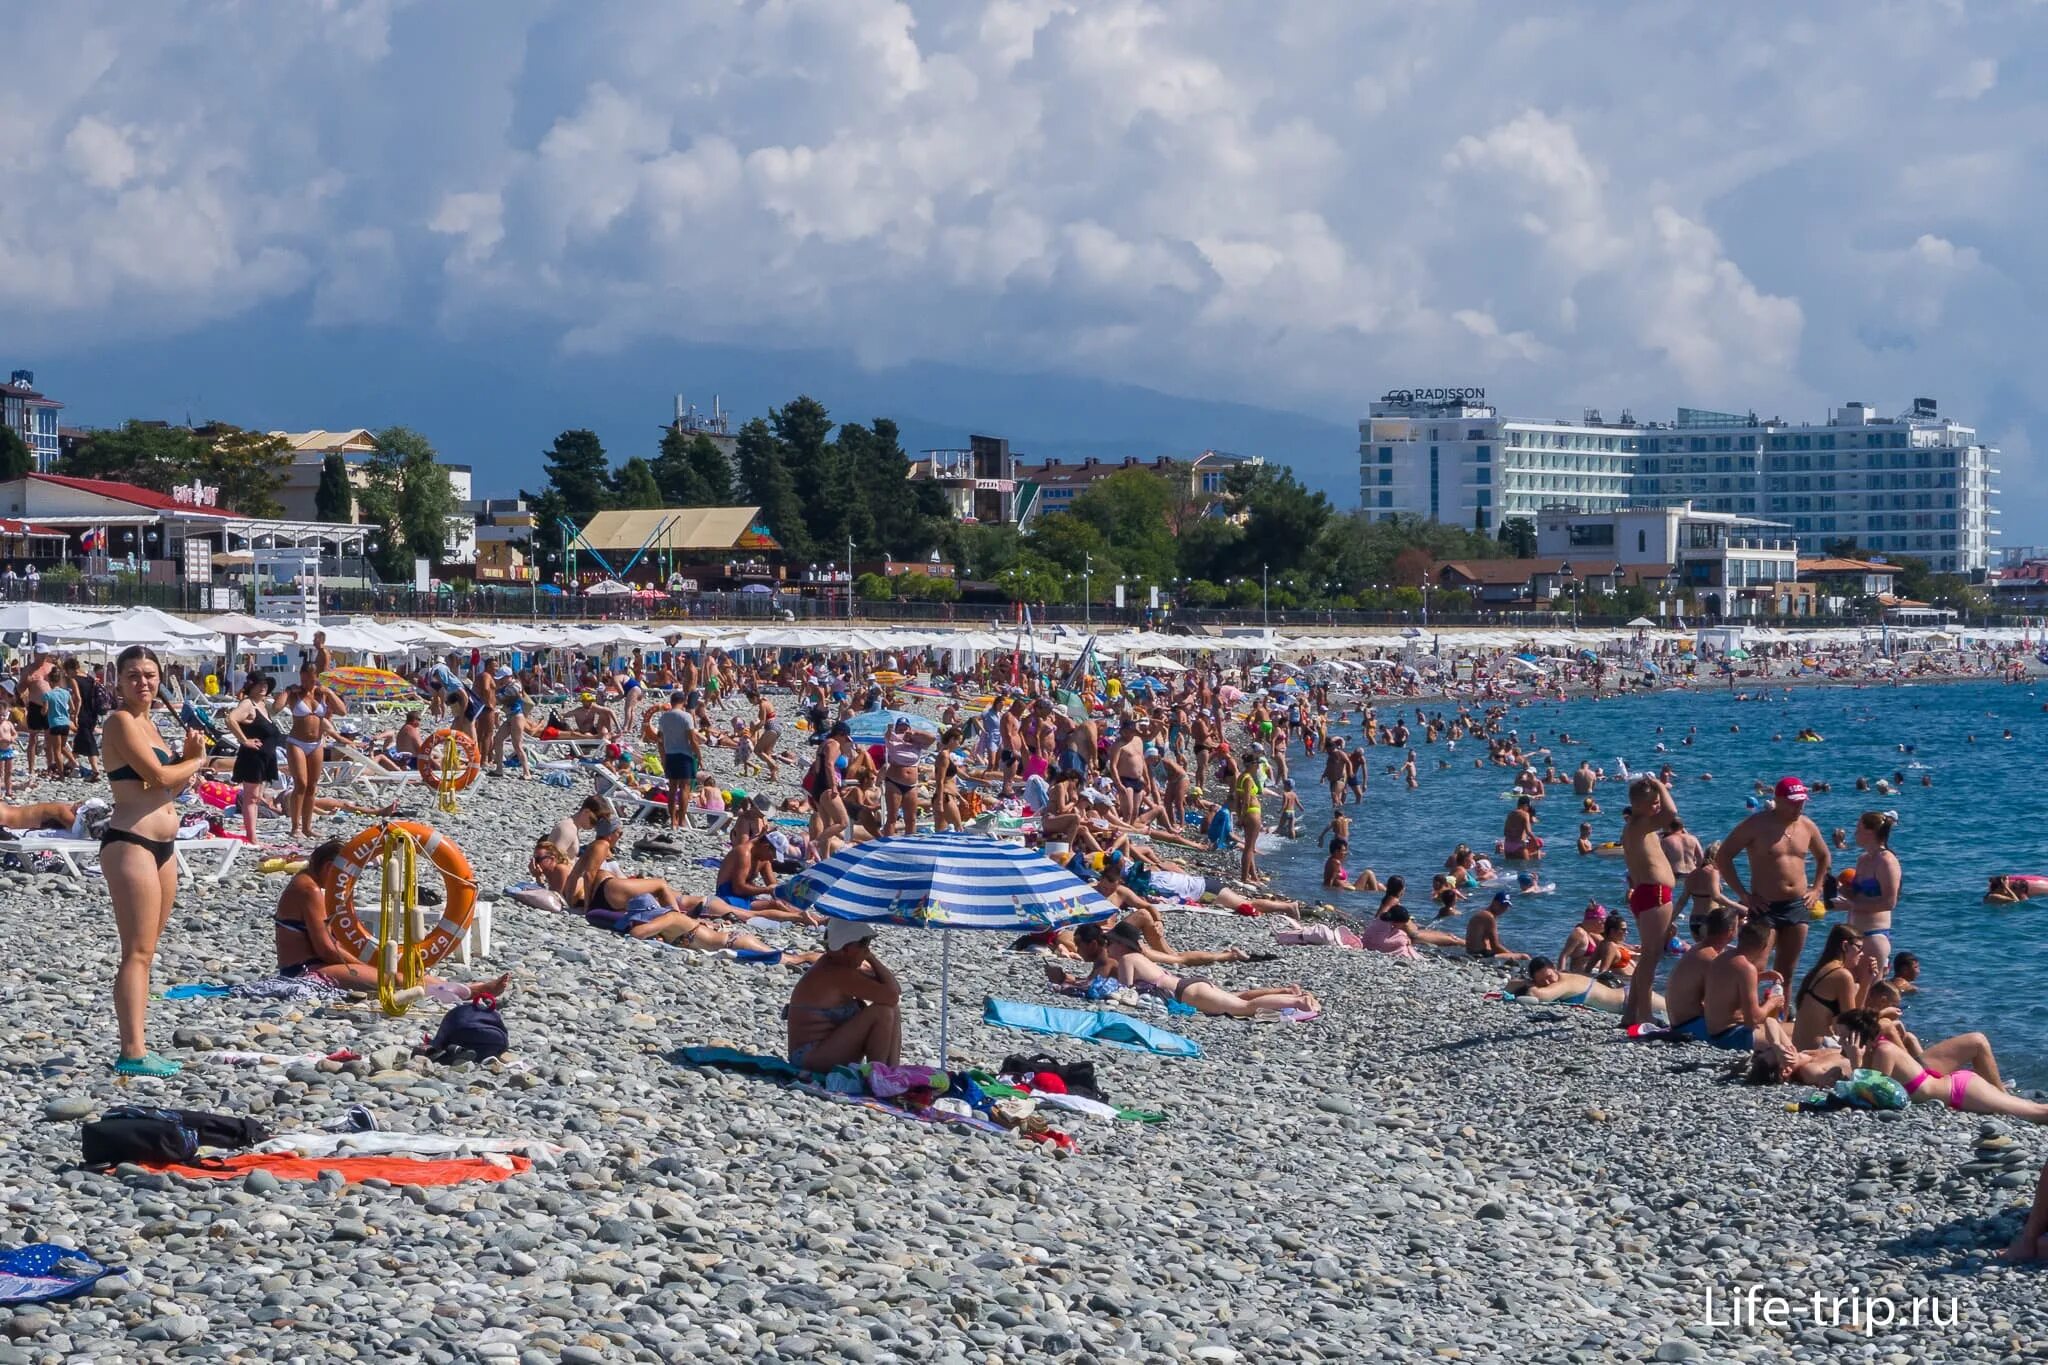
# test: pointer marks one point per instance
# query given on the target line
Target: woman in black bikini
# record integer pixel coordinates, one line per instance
(259, 740)
(138, 851)
(1832, 987)
(306, 947)
(902, 752)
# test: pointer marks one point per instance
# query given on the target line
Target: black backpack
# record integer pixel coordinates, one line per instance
(1079, 1076)
(164, 1136)
(472, 1031)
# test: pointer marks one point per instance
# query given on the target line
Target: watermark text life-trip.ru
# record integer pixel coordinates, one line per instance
(1754, 1306)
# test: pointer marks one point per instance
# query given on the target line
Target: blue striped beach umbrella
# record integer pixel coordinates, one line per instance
(948, 881)
(869, 726)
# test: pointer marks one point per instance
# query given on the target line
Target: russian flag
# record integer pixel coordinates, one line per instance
(93, 539)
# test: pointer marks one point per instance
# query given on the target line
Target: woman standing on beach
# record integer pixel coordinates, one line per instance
(138, 852)
(258, 741)
(1873, 885)
(312, 704)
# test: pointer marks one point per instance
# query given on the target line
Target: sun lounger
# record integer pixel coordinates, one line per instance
(79, 855)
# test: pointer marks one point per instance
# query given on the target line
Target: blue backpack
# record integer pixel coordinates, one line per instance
(472, 1031)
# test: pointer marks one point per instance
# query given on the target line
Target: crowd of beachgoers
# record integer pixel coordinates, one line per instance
(648, 826)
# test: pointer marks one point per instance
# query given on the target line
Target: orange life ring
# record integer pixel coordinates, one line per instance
(473, 758)
(458, 883)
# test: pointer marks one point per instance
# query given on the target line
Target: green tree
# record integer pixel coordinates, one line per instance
(406, 491)
(802, 428)
(874, 587)
(145, 454)
(1518, 534)
(692, 471)
(1281, 518)
(1131, 509)
(634, 486)
(765, 481)
(579, 474)
(334, 501)
(248, 467)
(15, 457)
(1073, 545)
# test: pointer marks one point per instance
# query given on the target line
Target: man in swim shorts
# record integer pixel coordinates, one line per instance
(1778, 839)
(1650, 885)
(1734, 1013)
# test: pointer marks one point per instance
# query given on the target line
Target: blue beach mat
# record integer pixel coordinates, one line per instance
(37, 1273)
(1095, 1026)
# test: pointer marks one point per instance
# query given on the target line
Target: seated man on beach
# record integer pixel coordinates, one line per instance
(1482, 931)
(1685, 992)
(848, 1007)
(746, 885)
(1545, 984)
(1732, 1012)
(1120, 952)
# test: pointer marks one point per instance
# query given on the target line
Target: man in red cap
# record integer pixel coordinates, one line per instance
(1778, 839)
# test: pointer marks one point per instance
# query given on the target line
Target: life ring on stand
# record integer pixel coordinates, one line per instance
(366, 849)
(437, 765)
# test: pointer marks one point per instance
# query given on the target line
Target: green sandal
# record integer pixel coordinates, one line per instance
(149, 1064)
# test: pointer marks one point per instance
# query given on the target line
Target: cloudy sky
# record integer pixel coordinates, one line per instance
(1290, 205)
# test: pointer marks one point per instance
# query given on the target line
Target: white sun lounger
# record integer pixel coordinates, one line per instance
(78, 855)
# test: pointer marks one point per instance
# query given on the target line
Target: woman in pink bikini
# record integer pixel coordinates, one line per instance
(1863, 1045)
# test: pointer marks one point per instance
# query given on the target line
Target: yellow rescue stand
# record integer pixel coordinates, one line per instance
(401, 966)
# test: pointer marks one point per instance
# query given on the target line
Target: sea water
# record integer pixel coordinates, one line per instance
(1985, 813)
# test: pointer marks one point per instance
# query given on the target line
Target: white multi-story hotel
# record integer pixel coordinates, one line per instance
(1917, 484)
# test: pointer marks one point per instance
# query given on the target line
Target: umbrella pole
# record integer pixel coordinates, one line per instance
(945, 989)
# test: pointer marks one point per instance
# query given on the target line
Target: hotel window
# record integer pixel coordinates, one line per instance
(1483, 454)
(1434, 482)
(1386, 454)
(1386, 476)
(1386, 499)
(1827, 442)
(1482, 476)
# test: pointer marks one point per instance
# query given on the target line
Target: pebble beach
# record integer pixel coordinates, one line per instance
(1420, 1174)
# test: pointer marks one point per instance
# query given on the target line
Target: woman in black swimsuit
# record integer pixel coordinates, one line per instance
(1832, 986)
(259, 740)
(137, 853)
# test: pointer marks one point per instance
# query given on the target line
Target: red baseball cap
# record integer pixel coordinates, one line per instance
(1791, 789)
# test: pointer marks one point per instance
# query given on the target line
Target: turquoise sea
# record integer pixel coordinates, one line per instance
(1984, 814)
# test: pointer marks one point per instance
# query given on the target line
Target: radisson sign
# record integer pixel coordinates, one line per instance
(1429, 396)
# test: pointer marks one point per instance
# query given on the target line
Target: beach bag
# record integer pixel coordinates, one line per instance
(163, 1136)
(472, 1031)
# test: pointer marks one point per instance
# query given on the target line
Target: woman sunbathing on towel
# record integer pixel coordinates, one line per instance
(644, 907)
(1143, 916)
(1121, 953)
(1957, 1086)
(307, 947)
(1545, 984)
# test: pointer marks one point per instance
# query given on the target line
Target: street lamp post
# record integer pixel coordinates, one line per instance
(1564, 574)
(1087, 592)
(1265, 608)
(849, 578)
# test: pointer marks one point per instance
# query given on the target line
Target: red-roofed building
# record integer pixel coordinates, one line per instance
(87, 519)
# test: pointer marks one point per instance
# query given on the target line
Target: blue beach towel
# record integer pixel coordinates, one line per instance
(732, 1059)
(1097, 1026)
(198, 990)
(32, 1274)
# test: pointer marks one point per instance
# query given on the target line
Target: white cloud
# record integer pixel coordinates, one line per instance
(1286, 202)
